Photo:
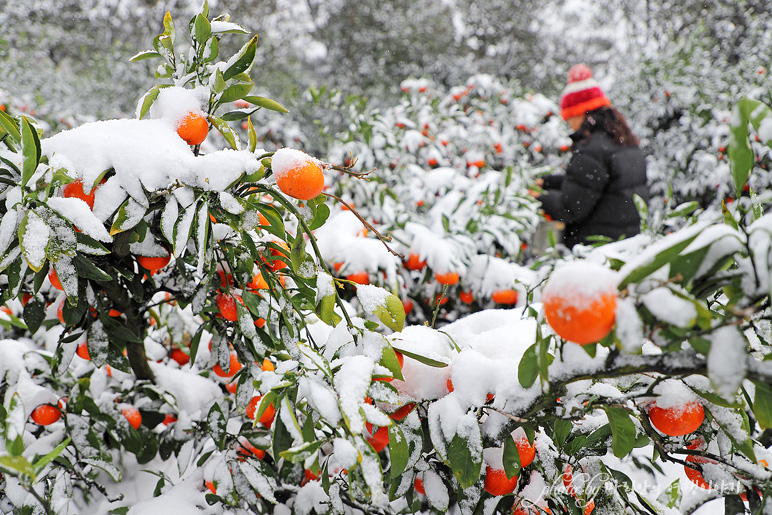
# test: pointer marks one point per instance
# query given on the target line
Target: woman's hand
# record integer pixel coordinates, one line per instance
(535, 193)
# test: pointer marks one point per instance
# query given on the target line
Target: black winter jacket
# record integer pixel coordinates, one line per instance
(595, 196)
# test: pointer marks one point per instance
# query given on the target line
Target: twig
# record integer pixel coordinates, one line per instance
(367, 224)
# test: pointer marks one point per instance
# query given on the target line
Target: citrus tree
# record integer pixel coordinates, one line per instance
(169, 309)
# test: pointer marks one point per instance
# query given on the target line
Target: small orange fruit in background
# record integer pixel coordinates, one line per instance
(414, 262)
(247, 450)
(268, 415)
(210, 486)
(419, 486)
(53, 278)
(60, 311)
(450, 278)
(497, 483)
(525, 449)
(359, 278)
(154, 264)
(297, 174)
(467, 297)
(82, 351)
(133, 415)
(45, 414)
(677, 420)
(226, 303)
(170, 418)
(235, 366)
(694, 475)
(75, 190)
(180, 357)
(278, 264)
(507, 297)
(380, 439)
(529, 508)
(193, 128)
(580, 302)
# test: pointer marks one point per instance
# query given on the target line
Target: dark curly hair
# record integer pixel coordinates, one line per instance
(610, 121)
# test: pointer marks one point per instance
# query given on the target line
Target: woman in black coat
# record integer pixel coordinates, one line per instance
(607, 168)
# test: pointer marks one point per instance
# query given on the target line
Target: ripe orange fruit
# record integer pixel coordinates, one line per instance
(210, 486)
(25, 298)
(402, 412)
(580, 302)
(235, 366)
(193, 128)
(45, 414)
(247, 450)
(226, 303)
(677, 420)
(297, 174)
(54, 280)
(450, 278)
(180, 357)
(232, 387)
(526, 450)
(466, 297)
(60, 311)
(568, 480)
(82, 351)
(419, 486)
(154, 264)
(114, 313)
(75, 190)
(169, 419)
(268, 415)
(408, 305)
(529, 508)
(278, 264)
(359, 277)
(380, 439)
(414, 262)
(694, 475)
(133, 416)
(497, 483)
(507, 297)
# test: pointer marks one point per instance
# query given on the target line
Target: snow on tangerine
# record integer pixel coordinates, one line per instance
(580, 302)
(677, 420)
(297, 174)
(496, 480)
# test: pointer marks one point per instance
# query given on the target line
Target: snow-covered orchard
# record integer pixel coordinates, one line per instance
(200, 317)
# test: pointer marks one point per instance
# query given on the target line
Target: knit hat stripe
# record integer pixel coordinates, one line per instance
(578, 86)
(584, 107)
(582, 94)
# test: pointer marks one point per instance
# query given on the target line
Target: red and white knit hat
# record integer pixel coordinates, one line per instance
(582, 94)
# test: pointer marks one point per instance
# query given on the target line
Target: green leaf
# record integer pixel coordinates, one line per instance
(325, 311)
(235, 92)
(227, 132)
(148, 99)
(203, 29)
(622, 431)
(275, 221)
(10, 126)
(35, 249)
(300, 452)
(266, 103)
(390, 361)
(528, 369)
(17, 465)
(511, 458)
(399, 451)
(252, 136)
(422, 359)
(169, 25)
(740, 151)
(682, 240)
(322, 213)
(244, 61)
(89, 270)
(210, 52)
(216, 422)
(51, 456)
(465, 465)
(562, 430)
(34, 313)
(141, 56)
(392, 314)
(30, 149)
(762, 404)
(297, 252)
(129, 215)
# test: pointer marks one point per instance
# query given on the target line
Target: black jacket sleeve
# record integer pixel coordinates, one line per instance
(585, 180)
(553, 181)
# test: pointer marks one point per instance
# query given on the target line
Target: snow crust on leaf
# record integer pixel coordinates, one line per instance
(727, 360)
(669, 307)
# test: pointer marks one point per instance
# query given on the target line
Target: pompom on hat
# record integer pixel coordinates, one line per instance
(582, 94)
